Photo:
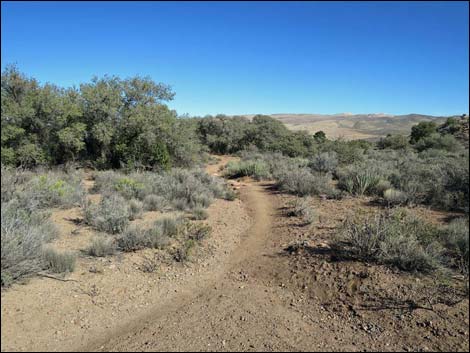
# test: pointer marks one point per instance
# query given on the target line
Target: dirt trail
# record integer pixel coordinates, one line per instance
(250, 294)
(230, 310)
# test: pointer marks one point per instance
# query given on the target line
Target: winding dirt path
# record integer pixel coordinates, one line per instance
(230, 310)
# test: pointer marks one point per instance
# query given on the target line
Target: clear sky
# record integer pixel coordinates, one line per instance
(257, 57)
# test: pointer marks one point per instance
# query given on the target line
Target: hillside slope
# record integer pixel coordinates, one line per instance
(354, 126)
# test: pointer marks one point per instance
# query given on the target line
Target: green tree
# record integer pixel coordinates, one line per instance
(319, 136)
(421, 130)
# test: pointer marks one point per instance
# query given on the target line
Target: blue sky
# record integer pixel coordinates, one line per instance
(257, 57)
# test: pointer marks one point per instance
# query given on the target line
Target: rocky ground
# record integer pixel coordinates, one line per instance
(263, 281)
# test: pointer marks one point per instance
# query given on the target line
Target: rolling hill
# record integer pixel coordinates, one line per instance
(355, 126)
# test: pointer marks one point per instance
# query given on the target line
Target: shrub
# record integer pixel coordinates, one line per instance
(133, 238)
(183, 252)
(111, 215)
(197, 231)
(393, 238)
(257, 169)
(154, 202)
(395, 197)
(168, 226)
(179, 188)
(301, 208)
(229, 195)
(59, 262)
(52, 190)
(128, 188)
(455, 238)
(440, 142)
(302, 182)
(101, 246)
(325, 162)
(136, 208)
(149, 265)
(394, 142)
(359, 179)
(200, 213)
(23, 235)
(422, 130)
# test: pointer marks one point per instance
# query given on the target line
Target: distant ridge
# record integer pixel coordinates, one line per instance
(354, 126)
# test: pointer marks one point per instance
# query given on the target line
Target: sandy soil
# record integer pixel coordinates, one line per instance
(262, 282)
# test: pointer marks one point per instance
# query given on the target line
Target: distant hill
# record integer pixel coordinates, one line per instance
(355, 126)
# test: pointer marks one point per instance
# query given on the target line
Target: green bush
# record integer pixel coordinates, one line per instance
(254, 168)
(359, 179)
(394, 142)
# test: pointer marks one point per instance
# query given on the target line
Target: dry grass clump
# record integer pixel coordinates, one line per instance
(101, 246)
(301, 208)
(58, 262)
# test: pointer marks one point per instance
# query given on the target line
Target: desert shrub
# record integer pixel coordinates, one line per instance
(111, 215)
(168, 226)
(441, 182)
(133, 238)
(9, 181)
(325, 162)
(52, 189)
(189, 189)
(128, 188)
(197, 231)
(440, 142)
(255, 168)
(180, 189)
(154, 202)
(199, 213)
(347, 152)
(101, 246)
(104, 180)
(23, 235)
(136, 208)
(394, 142)
(422, 130)
(229, 195)
(301, 208)
(395, 197)
(359, 179)
(149, 264)
(394, 238)
(58, 262)
(455, 238)
(158, 239)
(183, 252)
(302, 182)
